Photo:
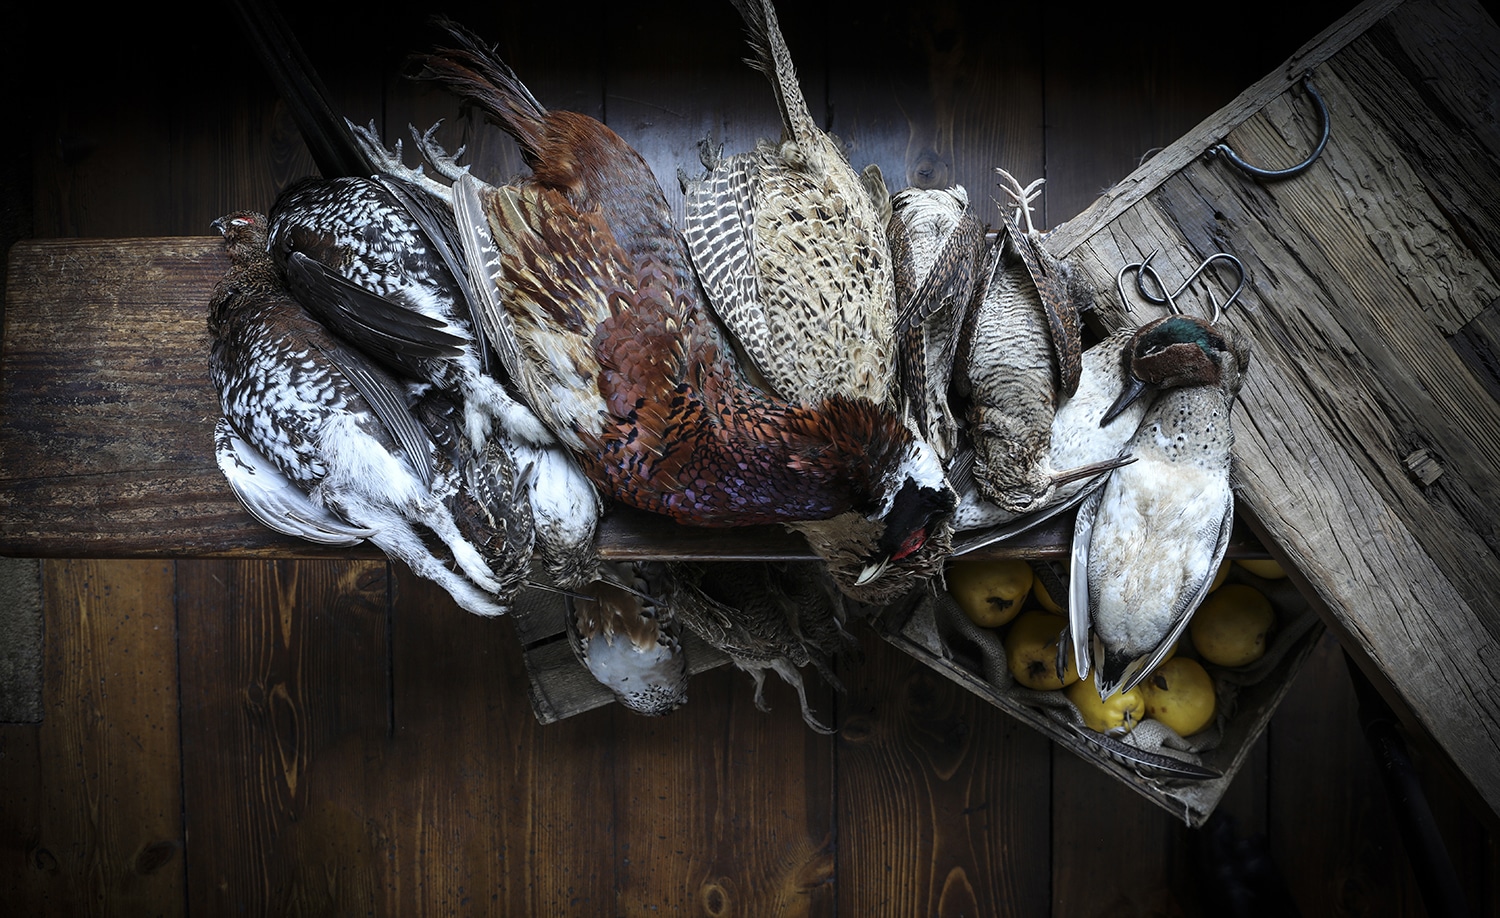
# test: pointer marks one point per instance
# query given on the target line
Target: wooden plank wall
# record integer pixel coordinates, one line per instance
(334, 736)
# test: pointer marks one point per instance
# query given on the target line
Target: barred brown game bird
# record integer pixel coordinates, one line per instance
(334, 426)
(591, 301)
(790, 242)
(766, 616)
(1021, 353)
(490, 498)
(938, 255)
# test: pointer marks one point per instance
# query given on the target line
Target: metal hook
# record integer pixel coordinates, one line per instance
(1120, 280)
(1169, 299)
(1267, 175)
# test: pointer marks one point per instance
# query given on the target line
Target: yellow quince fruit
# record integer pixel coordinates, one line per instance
(989, 592)
(1267, 568)
(1232, 625)
(1180, 694)
(1031, 651)
(1116, 715)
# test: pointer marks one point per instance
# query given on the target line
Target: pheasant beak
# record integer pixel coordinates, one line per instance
(872, 572)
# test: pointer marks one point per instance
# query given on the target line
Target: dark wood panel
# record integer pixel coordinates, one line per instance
(1122, 85)
(944, 802)
(285, 685)
(25, 866)
(1321, 774)
(95, 804)
(722, 809)
(940, 94)
(476, 801)
(1113, 852)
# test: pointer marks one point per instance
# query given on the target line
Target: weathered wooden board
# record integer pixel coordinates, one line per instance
(1372, 278)
(107, 414)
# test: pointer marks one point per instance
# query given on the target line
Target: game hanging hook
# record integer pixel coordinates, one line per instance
(1266, 175)
(1169, 298)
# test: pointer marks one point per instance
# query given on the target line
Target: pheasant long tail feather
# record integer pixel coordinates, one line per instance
(482, 254)
(474, 72)
(774, 60)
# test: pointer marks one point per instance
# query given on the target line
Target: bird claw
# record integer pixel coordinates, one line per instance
(1021, 196)
(709, 154)
(384, 159)
(443, 163)
(389, 161)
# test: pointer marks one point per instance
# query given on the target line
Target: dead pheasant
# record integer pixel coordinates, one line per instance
(592, 303)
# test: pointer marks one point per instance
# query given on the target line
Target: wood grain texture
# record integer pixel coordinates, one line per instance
(103, 832)
(1113, 854)
(286, 665)
(464, 803)
(1353, 370)
(481, 807)
(942, 801)
(716, 822)
(1326, 774)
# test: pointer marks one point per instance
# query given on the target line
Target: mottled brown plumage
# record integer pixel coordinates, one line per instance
(1021, 345)
(593, 303)
(790, 241)
(938, 254)
(765, 616)
(1049, 278)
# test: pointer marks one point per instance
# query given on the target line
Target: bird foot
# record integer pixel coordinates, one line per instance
(443, 162)
(709, 154)
(389, 160)
(1022, 197)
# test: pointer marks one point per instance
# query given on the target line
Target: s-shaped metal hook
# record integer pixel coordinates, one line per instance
(1162, 296)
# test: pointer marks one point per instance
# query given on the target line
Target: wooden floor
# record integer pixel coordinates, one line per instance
(336, 737)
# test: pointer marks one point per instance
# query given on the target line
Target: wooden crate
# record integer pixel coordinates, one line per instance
(975, 658)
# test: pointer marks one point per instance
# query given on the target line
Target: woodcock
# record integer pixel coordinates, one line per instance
(938, 255)
(1022, 353)
(1092, 428)
(592, 303)
(1146, 546)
